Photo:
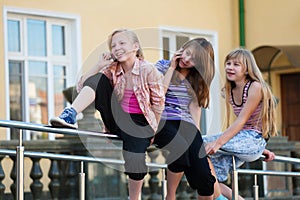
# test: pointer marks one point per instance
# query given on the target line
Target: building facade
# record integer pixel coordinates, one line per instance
(46, 45)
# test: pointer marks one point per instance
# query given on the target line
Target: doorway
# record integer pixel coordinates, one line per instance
(290, 97)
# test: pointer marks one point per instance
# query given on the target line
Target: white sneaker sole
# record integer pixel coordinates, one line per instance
(59, 123)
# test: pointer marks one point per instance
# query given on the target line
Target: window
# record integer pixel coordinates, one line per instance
(172, 39)
(39, 62)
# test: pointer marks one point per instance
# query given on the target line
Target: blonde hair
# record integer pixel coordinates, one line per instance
(201, 75)
(268, 115)
(133, 38)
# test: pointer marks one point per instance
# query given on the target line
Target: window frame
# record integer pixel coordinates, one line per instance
(72, 52)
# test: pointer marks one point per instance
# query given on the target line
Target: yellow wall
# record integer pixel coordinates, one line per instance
(99, 18)
(272, 22)
(267, 22)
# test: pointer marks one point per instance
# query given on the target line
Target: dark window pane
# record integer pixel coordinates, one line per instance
(38, 94)
(15, 94)
(166, 48)
(59, 85)
(180, 40)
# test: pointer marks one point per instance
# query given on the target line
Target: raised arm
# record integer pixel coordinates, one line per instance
(168, 75)
(104, 61)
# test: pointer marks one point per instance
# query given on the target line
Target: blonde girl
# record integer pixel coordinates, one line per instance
(253, 104)
(129, 94)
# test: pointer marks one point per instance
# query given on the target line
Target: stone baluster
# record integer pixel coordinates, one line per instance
(13, 176)
(296, 179)
(193, 193)
(154, 181)
(72, 180)
(2, 176)
(36, 174)
(54, 175)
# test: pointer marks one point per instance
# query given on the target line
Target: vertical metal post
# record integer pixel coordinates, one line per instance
(235, 186)
(20, 169)
(81, 182)
(255, 188)
(163, 184)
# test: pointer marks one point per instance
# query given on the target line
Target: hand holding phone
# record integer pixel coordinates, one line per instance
(108, 56)
(113, 58)
(175, 59)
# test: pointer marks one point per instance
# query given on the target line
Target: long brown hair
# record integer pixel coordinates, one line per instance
(268, 115)
(201, 75)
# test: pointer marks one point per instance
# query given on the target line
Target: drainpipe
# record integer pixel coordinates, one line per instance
(242, 23)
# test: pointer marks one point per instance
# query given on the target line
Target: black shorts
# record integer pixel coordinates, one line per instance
(133, 129)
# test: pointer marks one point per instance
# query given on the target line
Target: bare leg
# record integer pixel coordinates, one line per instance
(85, 97)
(173, 180)
(134, 188)
(227, 192)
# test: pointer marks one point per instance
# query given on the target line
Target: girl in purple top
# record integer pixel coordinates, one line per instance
(254, 106)
(187, 81)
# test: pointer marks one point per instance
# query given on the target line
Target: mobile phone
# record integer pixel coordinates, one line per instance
(113, 57)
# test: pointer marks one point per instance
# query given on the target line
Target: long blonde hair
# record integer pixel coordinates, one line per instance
(201, 75)
(132, 36)
(268, 114)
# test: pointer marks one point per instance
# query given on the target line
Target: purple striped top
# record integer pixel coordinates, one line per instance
(177, 97)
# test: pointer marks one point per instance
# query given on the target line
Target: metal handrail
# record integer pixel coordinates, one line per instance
(277, 158)
(54, 156)
(49, 129)
(254, 172)
(267, 172)
(20, 153)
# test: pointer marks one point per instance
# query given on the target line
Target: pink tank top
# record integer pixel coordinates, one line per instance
(130, 103)
(254, 121)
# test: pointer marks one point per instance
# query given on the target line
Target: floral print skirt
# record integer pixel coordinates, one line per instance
(246, 146)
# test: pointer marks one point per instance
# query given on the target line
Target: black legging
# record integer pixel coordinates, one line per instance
(187, 154)
(133, 129)
(104, 91)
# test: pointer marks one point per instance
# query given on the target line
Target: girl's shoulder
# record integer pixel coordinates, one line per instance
(255, 86)
(162, 65)
(146, 65)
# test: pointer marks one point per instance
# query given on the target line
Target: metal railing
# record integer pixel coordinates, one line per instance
(20, 153)
(236, 171)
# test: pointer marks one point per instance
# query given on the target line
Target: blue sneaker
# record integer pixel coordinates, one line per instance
(67, 119)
